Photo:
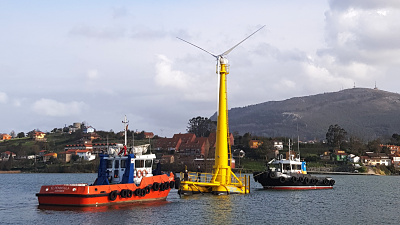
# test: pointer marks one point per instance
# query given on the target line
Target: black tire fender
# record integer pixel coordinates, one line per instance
(138, 191)
(113, 195)
(124, 193)
(156, 186)
(129, 193)
(147, 189)
(172, 184)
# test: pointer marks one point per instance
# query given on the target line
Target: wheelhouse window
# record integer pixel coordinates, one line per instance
(286, 166)
(148, 163)
(116, 164)
(139, 163)
(109, 164)
(123, 163)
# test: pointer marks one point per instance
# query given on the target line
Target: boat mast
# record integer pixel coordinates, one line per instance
(125, 122)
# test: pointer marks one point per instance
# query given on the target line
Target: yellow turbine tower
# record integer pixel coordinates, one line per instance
(222, 180)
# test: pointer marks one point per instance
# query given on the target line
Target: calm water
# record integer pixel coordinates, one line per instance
(354, 200)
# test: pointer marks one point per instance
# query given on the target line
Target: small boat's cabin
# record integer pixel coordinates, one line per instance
(291, 165)
(126, 168)
(142, 167)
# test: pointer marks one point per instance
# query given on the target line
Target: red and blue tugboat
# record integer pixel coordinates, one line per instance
(122, 178)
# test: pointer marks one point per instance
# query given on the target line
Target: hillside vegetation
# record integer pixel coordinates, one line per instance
(365, 113)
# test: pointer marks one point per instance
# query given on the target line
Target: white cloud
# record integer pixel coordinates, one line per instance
(3, 97)
(50, 107)
(167, 77)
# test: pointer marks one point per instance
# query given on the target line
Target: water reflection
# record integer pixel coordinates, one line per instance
(102, 208)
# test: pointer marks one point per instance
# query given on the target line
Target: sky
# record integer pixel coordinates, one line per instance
(97, 61)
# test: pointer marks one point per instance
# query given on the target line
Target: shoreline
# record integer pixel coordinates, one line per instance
(342, 173)
(11, 171)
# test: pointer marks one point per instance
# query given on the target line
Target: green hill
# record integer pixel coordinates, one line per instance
(365, 113)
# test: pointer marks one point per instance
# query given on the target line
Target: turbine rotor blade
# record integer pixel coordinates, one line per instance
(198, 47)
(227, 52)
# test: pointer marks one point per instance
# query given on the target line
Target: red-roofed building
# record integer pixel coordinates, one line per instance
(148, 134)
(170, 144)
(199, 147)
(5, 137)
(339, 155)
(393, 148)
(255, 143)
(39, 136)
(72, 151)
(47, 156)
(42, 152)
(7, 154)
(186, 138)
(373, 159)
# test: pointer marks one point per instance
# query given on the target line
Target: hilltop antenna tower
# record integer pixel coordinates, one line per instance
(223, 180)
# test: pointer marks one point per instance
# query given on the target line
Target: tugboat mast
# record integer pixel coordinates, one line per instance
(125, 122)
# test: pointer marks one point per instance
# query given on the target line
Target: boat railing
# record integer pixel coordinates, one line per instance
(200, 177)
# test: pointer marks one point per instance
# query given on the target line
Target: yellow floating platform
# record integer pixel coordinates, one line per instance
(198, 183)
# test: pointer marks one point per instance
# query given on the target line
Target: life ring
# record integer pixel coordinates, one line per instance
(138, 173)
(147, 188)
(298, 172)
(144, 173)
(113, 195)
(156, 186)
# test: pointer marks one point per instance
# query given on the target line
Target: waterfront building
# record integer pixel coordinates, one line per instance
(374, 159)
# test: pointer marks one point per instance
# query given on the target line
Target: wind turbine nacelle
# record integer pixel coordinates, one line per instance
(224, 61)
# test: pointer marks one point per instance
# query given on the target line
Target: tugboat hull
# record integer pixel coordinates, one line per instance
(151, 189)
(271, 180)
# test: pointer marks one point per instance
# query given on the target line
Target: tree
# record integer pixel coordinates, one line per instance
(20, 135)
(264, 150)
(12, 134)
(375, 146)
(200, 126)
(335, 135)
(356, 146)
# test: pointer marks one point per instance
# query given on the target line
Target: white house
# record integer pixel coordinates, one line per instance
(354, 159)
(373, 159)
(85, 155)
(88, 129)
